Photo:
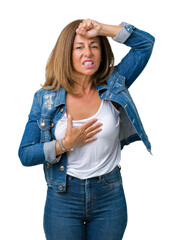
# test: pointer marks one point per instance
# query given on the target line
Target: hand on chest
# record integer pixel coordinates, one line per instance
(106, 114)
(82, 107)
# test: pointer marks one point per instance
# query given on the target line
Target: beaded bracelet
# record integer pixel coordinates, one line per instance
(61, 145)
(71, 149)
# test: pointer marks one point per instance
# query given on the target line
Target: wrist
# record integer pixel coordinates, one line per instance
(109, 30)
(61, 145)
(66, 145)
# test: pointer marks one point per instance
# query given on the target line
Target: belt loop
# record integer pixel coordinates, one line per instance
(69, 177)
(119, 167)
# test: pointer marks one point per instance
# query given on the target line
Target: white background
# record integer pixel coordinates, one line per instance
(29, 30)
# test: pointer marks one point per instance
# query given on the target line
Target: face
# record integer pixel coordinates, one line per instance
(86, 55)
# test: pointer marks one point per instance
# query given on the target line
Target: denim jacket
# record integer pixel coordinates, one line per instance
(38, 142)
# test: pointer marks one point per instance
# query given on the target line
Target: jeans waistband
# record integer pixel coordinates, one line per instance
(118, 167)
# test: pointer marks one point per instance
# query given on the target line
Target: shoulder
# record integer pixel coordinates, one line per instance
(44, 98)
(44, 93)
(48, 99)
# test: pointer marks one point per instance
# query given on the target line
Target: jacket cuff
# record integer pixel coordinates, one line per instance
(50, 152)
(125, 33)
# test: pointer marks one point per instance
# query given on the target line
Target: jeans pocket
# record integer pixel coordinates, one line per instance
(108, 183)
(113, 178)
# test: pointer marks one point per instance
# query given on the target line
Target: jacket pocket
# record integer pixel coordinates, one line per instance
(45, 126)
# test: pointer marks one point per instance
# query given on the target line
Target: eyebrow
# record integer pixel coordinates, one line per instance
(90, 42)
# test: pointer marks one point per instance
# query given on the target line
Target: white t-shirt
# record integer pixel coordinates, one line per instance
(100, 156)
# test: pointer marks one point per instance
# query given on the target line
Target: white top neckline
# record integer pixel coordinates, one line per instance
(87, 119)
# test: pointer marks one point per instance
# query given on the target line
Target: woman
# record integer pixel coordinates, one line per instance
(78, 124)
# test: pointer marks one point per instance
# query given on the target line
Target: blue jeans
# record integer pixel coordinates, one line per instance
(91, 209)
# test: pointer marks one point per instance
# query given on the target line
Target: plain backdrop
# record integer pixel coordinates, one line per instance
(29, 30)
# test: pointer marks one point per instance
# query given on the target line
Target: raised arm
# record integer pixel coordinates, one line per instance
(141, 44)
(90, 28)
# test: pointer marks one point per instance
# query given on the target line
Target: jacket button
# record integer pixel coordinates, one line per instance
(61, 110)
(60, 188)
(43, 124)
(62, 168)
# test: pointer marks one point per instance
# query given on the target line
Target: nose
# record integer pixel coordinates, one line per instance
(87, 51)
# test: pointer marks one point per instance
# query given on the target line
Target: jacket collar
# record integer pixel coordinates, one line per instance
(101, 89)
(109, 82)
(61, 93)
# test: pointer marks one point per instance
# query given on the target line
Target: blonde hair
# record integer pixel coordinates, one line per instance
(59, 68)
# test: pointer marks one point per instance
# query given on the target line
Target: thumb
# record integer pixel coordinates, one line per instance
(69, 122)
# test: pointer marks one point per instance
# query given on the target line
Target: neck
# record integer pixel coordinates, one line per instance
(84, 86)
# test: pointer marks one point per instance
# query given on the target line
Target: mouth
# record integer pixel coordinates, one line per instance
(88, 63)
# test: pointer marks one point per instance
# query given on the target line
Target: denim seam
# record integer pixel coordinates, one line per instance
(143, 36)
(38, 97)
(134, 66)
(111, 85)
(86, 200)
(111, 184)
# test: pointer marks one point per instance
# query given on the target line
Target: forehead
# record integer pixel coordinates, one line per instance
(79, 39)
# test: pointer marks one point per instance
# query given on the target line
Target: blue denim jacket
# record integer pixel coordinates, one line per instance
(38, 142)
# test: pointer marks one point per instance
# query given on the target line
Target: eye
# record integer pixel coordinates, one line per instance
(95, 46)
(79, 47)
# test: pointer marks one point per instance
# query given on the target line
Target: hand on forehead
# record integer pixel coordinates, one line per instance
(88, 28)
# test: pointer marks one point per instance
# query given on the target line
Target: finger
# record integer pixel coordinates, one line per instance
(81, 31)
(87, 21)
(82, 26)
(90, 140)
(86, 25)
(89, 25)
(91, 134)
(89, 123)
(93, 127)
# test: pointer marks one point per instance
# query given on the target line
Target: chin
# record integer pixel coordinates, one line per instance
(89, 72)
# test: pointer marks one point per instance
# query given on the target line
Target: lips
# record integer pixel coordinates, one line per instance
(88, 63)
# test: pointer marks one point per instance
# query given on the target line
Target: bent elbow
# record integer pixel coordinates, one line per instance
(152, 40)
(22, 158)
(31, 155)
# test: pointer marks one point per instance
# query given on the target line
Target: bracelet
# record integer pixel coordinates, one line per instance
(71, 149)
(61, 145)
